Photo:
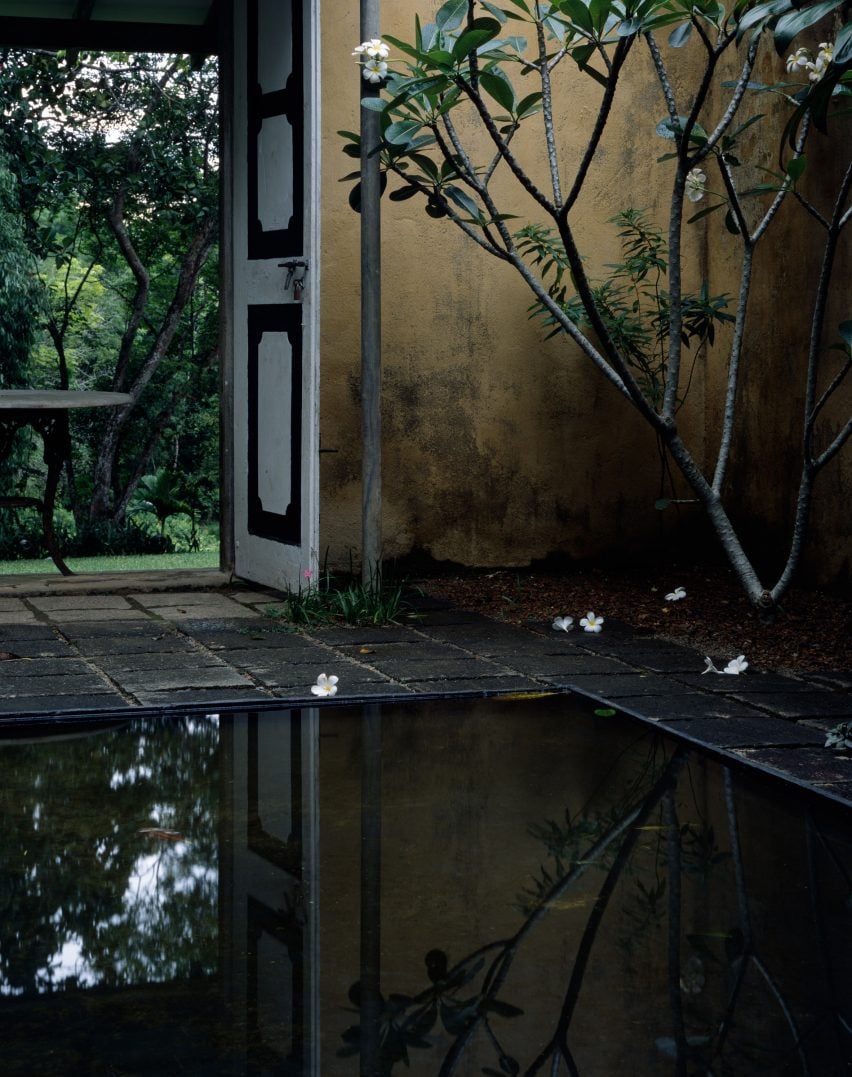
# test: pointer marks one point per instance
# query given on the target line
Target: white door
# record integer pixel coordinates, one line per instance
(275, 272)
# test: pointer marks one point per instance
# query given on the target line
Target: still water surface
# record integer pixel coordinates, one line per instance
(454, 887)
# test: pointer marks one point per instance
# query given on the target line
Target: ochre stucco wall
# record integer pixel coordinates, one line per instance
(500, 448)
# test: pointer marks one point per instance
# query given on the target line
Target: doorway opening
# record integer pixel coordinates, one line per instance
(109, 210)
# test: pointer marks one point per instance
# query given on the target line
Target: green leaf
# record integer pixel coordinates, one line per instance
(451, 14)
(480, 32)
(499, 88)
(731, 224)
(669, 129)
(497, 12)
(579, 15)
(400, 133)
(605, 712)
(374, 104)
(845, 330)
(680, 35)
(464, 201)
(761, 14)
(791, 24)
(843, 45)
(528, 105)
(704, 212)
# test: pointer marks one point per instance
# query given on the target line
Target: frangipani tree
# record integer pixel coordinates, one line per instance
(483, 72)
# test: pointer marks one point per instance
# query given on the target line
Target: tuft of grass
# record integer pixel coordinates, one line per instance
(331, 600)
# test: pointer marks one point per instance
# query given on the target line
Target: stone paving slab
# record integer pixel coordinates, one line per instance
(139, 627)
(108, 616)
(97, 647)
(17, 632)
(18, 617)
(71, 703)
(743, 683)
(509, 683)
(693, 705)
(35, 648)
(811, 764)
(62, 603)
(136, 662)
(627, 683)
(167, 680)
(743, 732)
(68, 684)
(272, 657)
(549, 664)
(187, 612)
(43, 667)
(800, 705)
(12, 605)
(192, 698)
(415, 669)
(179, 598)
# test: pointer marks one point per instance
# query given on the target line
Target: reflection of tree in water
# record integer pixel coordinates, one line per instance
(731, 996)
(77, 873)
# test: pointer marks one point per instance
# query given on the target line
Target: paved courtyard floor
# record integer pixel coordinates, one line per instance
(81, 646)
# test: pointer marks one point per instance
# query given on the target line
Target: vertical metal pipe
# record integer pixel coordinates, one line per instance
(371, 323)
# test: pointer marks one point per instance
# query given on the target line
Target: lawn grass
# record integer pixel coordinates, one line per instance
(152, 562)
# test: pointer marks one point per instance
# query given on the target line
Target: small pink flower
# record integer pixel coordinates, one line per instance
(307, 574)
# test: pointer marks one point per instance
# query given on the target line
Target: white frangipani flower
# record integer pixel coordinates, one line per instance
(676, 595)
(799, 60)
(562, 624)
(591, 623)
(734, 667)
(325, 686)
(695, 185)
(374, 49)
(374, 70)
(823, 58)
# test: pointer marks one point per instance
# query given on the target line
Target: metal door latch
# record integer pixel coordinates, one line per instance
(292, 265)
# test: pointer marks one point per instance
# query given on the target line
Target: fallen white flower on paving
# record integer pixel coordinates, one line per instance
(325, 686)
(591, 623)
(676, 595)
(562, 624)
(734, 667)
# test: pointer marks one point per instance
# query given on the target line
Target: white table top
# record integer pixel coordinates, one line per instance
(59, 399)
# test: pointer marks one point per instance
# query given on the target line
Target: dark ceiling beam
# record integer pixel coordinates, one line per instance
(108, 36)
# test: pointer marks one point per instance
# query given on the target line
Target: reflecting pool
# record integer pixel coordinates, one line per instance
(465, 887)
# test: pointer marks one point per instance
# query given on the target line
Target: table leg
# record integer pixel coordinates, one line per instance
(57, 447)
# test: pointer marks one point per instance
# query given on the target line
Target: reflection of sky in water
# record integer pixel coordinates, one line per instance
(172, 870)
(88, 897)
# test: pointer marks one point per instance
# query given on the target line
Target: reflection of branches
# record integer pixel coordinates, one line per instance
(559, 1041)
(748, 956)
(407, 1020)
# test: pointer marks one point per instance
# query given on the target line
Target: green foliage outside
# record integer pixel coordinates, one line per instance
(110, 193)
